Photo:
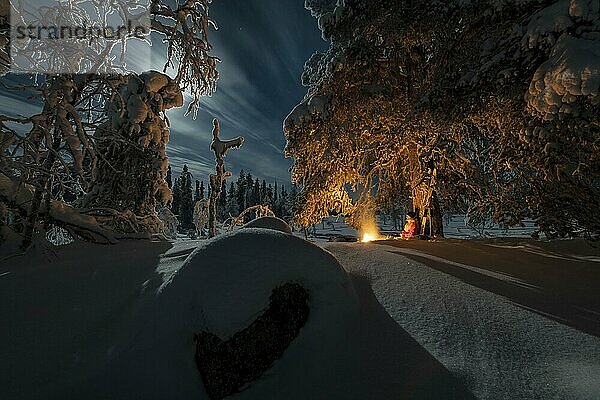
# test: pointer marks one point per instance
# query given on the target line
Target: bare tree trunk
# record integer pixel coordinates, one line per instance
(437, 221)
(429, 214)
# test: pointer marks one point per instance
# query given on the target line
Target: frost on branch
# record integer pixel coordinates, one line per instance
(185, 32)
(319, 7)
(312, 107)
(18, 195)
(53, 52)
(119, 114)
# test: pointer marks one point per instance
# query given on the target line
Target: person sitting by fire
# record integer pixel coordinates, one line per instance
(411, 227)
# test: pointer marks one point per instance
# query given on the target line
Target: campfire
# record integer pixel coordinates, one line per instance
(369, 231)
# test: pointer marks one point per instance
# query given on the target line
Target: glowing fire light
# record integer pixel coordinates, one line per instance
(369, 237)
(369, 231)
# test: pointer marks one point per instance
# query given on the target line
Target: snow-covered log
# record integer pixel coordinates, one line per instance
(19, 196)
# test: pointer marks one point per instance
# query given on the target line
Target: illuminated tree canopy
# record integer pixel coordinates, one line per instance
(486, 107)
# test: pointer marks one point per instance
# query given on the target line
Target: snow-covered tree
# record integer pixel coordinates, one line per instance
(186, 208)
(232, 205)
(170, 222)
(201, 216)
(486, 106)
(217, 180)
(255, 197)
(104, 135)
(130, 174)
(241, 188)
(177, 194)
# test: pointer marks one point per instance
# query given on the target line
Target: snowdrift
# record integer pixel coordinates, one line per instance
(349, 348)
(270, 223)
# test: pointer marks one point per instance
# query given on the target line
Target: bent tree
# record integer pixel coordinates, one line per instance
(490, 108)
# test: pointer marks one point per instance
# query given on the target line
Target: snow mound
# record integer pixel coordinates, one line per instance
(273, 223)
(571, 73)
(349, 348)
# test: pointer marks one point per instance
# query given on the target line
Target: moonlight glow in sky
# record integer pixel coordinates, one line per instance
(263, 45)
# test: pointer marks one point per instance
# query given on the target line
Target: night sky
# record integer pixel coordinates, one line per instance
(263, 45)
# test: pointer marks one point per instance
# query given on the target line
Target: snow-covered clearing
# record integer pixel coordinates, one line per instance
(99, 322)
(498, 347)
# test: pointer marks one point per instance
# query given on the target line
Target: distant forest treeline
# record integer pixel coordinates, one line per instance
(235, 197)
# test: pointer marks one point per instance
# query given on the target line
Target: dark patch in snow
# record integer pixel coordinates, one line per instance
(226, 366)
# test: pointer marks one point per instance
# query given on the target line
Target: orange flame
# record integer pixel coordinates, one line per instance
(369, 231)
(369, 237)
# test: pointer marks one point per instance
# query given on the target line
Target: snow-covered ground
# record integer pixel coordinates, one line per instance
(500, 349)
(98, 322)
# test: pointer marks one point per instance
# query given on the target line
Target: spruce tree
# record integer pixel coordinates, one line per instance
(256, 200)
(282, 207)
(222, 214)
(263, 192)
(292, 201)
(176, 204)
(241, 191)
(169, 178)
(249, 187)
(269, 197)
(186, 207)
(232, 205)
(202, 190)
(197, 192)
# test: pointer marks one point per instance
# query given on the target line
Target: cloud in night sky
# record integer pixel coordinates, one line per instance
(263, 45)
